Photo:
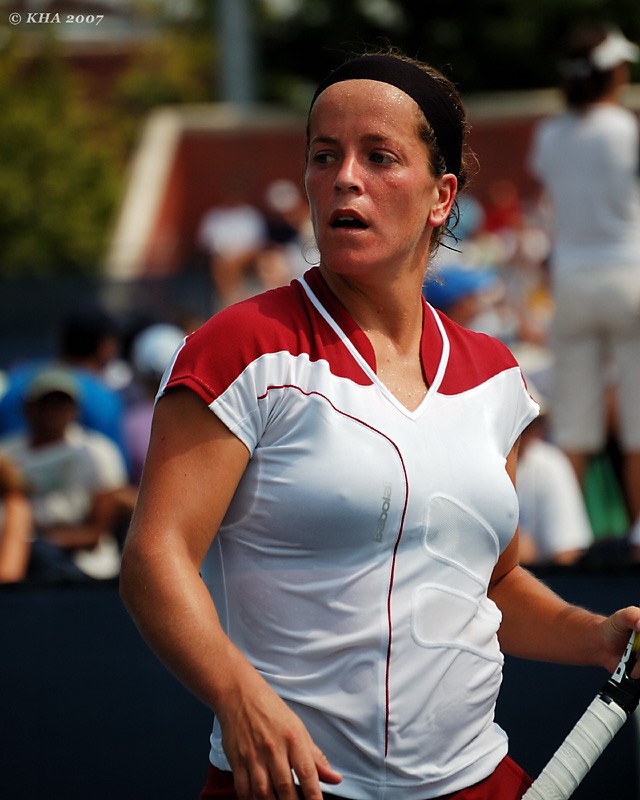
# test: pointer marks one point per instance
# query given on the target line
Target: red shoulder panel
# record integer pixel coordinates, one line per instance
(280, 320)
(473, 359)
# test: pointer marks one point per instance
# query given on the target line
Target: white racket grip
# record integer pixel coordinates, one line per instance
(579, 752)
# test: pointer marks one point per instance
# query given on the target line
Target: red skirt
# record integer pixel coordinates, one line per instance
(507, 782)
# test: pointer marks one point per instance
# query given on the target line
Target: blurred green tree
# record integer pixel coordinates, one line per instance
(58, 188)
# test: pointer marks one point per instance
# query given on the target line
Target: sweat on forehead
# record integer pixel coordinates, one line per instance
(432, 98)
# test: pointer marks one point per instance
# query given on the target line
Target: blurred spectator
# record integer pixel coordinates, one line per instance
(463, 293)
(88, 342)
(587, 160)
(511, 258)
(89, 339)
(467, 247)
(503, 210)
(233, 234)
(289, 234)
(16, 523)
(151, 352)
(76, 480)
(554, 524)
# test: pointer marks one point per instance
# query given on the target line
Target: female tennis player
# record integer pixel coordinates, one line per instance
(346, 454)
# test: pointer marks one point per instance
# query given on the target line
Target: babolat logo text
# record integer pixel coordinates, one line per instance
(382, 519)
(619, 674)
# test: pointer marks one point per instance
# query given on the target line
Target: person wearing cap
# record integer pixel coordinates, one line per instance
(587, 160)
(76, 479)
(87, 343)
(343, 455)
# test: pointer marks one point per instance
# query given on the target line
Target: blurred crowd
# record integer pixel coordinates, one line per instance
(253, 247)
(74, 429)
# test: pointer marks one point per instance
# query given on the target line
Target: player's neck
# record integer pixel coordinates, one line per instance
(389, 311)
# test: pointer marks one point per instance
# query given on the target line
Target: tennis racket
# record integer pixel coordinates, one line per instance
(604, 717)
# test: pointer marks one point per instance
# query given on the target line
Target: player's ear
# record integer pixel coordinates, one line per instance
(445, 193)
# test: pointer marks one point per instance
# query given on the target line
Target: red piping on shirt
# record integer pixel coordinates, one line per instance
(395, 547)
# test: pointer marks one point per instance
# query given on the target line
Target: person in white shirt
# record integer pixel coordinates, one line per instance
(76, 479)
(554, 523)
(587, 160)
(233, 233)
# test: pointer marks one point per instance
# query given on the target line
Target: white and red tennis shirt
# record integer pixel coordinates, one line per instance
(352, 566)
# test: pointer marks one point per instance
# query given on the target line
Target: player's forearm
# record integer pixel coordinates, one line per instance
(174, 612)
(538, 624)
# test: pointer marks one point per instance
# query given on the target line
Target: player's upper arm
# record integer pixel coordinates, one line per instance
(192, 469)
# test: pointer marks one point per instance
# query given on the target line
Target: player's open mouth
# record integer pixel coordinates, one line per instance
(348, 221)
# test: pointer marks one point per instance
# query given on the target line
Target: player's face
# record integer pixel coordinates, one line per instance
(374, 200)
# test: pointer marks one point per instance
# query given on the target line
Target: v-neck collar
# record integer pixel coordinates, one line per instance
(434, 344)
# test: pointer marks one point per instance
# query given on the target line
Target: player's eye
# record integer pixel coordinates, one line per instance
(323, 157)
(378, 157)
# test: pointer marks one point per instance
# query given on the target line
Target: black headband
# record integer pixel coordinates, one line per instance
(433, 99)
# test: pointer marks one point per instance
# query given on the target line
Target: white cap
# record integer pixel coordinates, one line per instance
(154, 347)
(616, 49)
(52, 380)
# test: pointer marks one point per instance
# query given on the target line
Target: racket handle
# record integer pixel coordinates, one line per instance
(579, 751)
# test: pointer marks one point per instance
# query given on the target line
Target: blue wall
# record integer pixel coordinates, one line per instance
(88, 713)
